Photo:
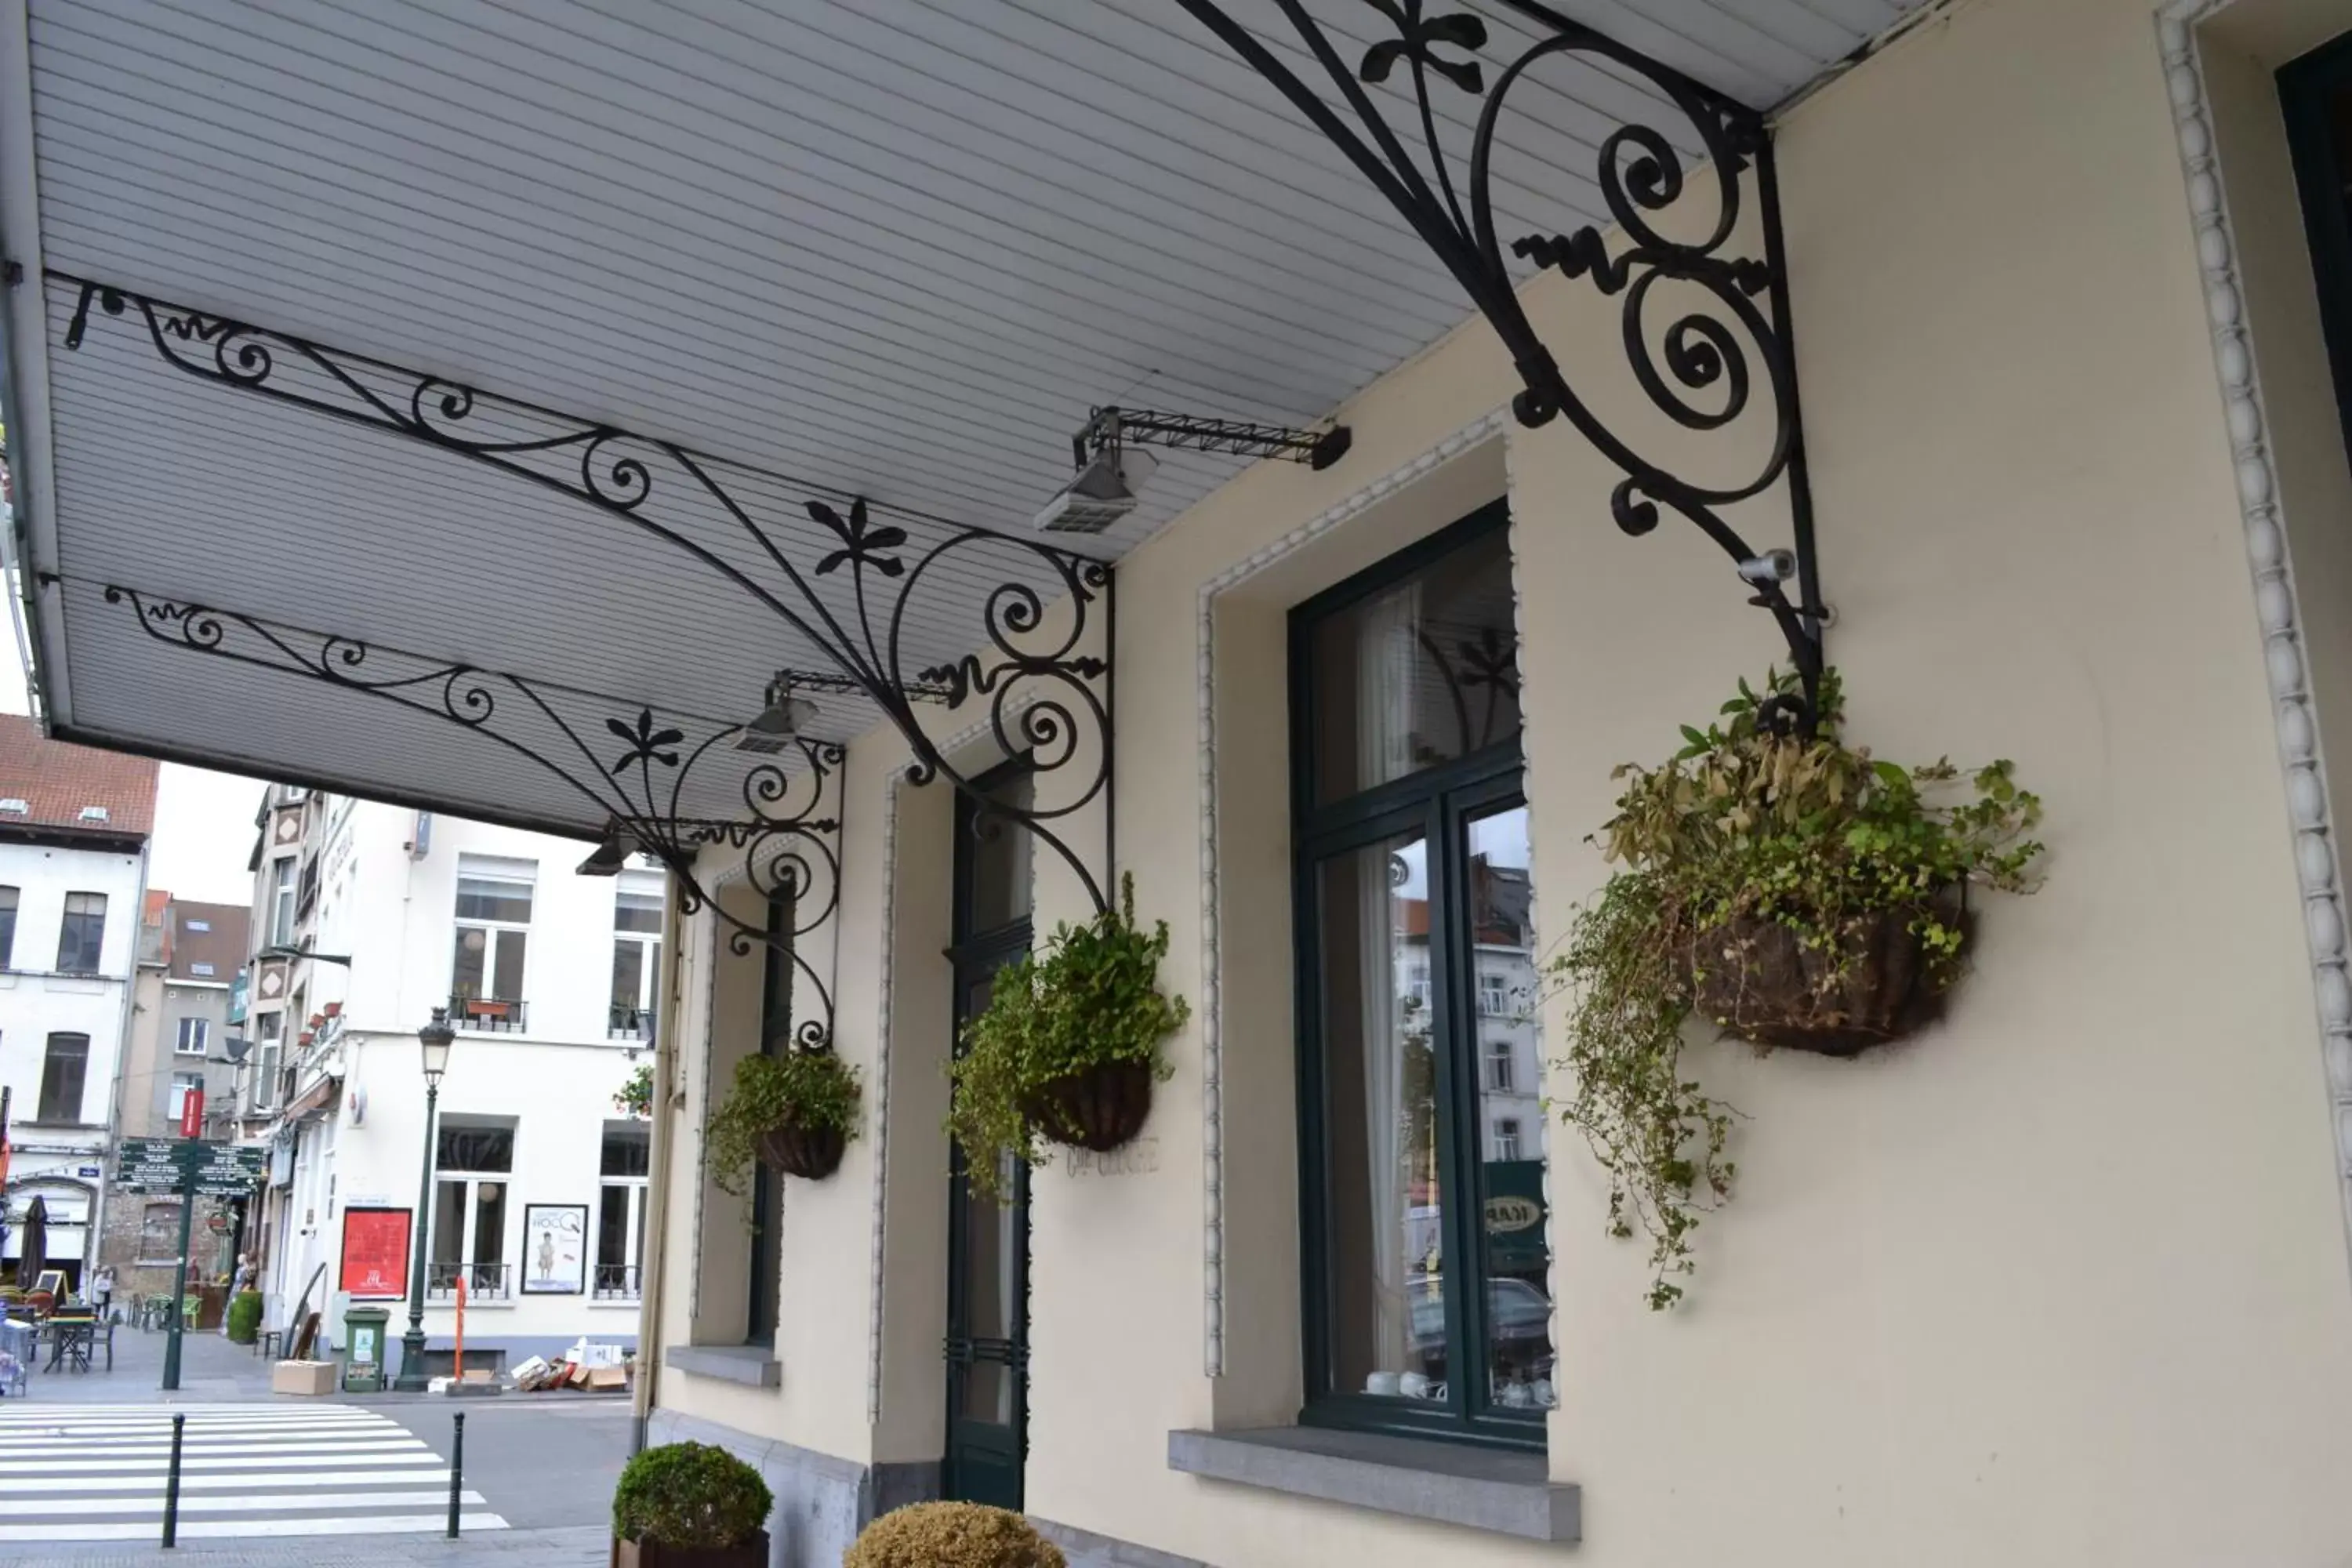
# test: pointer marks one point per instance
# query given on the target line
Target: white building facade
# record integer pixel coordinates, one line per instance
(369, 917)
(73, 871)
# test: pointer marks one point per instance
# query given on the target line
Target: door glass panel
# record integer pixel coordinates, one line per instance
(1419, 673)
(1388, 1283)
(1518, 1349)
(987, 1392)
(999, 862)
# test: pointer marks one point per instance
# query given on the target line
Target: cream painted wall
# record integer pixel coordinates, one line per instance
(2062, 1282)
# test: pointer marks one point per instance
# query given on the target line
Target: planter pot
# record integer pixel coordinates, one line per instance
(1099, 1108)
(752, 1554)
(805, 1152)
(1759, 983)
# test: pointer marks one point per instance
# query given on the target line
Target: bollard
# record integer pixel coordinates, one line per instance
(172, 1485)
(456, 1467)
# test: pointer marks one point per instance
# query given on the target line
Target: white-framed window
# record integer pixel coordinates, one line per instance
(7, 924)
(282, 902)
(626, 1160)
(1506, 1138)
(82, 935)
(493, 918)
(637, 955)
(194, 1037)
(1494, 995)
(1416, 984)
(183, 1085)
(269, 1039)
(1502, 1066)
(198, 925)
(159, 1231)
(473, 1159)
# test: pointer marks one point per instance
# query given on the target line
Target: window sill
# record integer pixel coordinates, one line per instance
(630, 1305)
(1503, 1492)
(747, 1365)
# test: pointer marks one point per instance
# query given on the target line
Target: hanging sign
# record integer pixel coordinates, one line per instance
(375, 1253)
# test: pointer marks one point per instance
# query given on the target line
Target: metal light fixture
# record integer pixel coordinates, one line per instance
(612, 853)
(1111, 468)
(779, 722)
(1103, 492)
(235, 1047)
(436, 1038)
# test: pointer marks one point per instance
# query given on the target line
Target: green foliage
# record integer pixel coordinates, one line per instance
(814, 1089)
(951, 1535)
(1747, 825)
(690, 1495)
(1093, 996)
(245, 1317)
(637, 1094)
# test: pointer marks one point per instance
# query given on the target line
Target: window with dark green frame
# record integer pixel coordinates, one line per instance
(1420, 1131)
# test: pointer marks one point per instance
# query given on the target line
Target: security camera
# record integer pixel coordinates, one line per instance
(1772, 567)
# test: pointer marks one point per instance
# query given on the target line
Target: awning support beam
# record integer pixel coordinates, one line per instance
(1705, 381)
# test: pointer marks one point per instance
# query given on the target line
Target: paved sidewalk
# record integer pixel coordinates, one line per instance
(574, 1546)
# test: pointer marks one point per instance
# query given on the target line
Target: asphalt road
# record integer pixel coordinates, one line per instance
(540, 1460)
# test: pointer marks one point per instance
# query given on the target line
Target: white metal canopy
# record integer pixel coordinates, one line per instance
(889, 248)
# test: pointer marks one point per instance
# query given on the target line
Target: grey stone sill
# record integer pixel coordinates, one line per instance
(1478, 1489)
(746, 1364)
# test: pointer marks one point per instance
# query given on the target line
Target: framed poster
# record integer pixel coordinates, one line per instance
(554, 1249)
(375, 1253)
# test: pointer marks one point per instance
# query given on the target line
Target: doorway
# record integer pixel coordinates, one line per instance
(988, 1241)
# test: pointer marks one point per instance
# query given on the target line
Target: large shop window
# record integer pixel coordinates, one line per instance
(1421, 1134)
(493, 928)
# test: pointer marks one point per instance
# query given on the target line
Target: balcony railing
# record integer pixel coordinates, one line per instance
(496, 1014)
(484, 1281)
(629, 1022)
(616, 1282)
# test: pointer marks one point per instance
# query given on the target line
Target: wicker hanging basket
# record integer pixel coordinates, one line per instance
(1759, 981)
(813, 1153)
(1099, 1108)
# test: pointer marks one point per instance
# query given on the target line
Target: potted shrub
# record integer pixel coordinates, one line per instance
(636, 1094)
(951, 1535)
(245, 1317)
(1068, 1047)
(1792, 892)
(690, 1505)
(796, 1110)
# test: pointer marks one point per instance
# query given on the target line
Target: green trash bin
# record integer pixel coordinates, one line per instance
(363, 1340)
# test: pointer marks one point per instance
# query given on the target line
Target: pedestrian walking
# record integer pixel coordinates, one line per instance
(101, 1290)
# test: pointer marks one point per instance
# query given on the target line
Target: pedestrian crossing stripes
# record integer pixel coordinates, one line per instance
(97, 1473)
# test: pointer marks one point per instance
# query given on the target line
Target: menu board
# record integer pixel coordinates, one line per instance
(375, 1253)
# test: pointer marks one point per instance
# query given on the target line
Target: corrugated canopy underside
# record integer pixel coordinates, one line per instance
(894, 249)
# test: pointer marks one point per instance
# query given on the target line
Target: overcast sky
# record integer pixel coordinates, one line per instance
(204, 821)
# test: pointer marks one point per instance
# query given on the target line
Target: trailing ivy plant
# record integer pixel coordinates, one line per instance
(812, 1090)
(637, 1094)
(1744, 830)
(1091, 997)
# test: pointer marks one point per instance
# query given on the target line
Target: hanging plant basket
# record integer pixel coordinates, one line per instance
(1758, 980)
(813, 1153)
(1097, 1108)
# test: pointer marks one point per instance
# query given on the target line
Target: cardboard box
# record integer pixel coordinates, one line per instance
(608, 1377)
(307, 1377)
(480, 1374)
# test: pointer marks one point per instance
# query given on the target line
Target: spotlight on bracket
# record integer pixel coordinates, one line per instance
(1110, 469)
(611, 852)
(1772, 567)
(779, 722)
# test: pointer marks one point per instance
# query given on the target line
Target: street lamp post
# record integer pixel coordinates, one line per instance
(437, 1038)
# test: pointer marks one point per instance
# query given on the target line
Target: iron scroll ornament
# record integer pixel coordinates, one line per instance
(1047, 696)
(1701, 354)
(635, 769)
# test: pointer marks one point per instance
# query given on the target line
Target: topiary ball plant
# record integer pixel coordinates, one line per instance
(690, 1496)
(1786, 888)
(245, 1317)
(1068, 1047)
(795, 1110)
(952, 1535)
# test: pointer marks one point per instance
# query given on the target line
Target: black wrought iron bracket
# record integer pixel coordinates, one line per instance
(1148, 427)
(635, 769)
(1702, 379)
(1038, 657)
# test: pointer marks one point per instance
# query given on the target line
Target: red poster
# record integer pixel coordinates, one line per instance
(191, 1112)
(376, 1252)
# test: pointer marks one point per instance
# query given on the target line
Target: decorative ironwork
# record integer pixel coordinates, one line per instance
(1699, 375)
(790, 835)
(1031, 659)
